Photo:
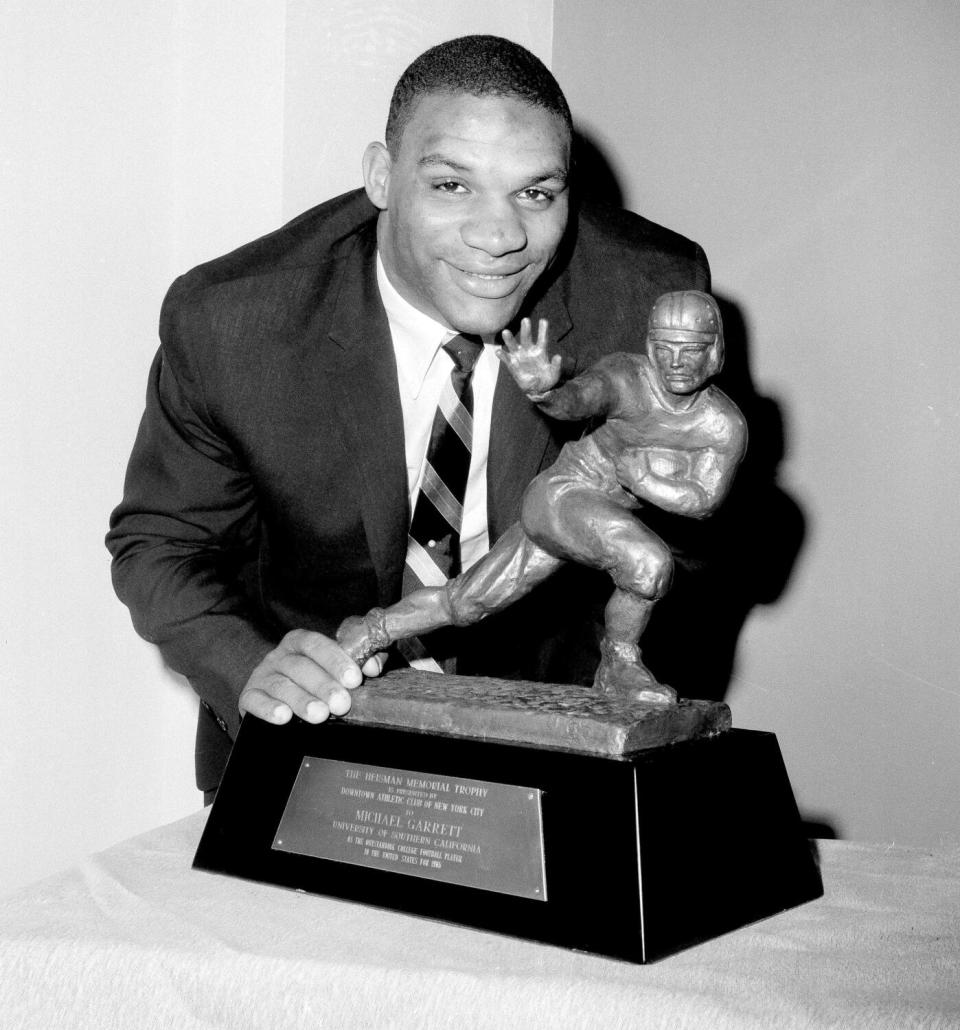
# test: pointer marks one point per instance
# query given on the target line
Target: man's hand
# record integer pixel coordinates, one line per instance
(306, 674)
(527, 359)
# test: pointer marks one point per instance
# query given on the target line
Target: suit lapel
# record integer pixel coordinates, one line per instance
(520, 437)
(363, 388)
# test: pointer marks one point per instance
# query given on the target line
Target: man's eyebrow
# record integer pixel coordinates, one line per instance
(554, 175)
(435, 160)
(438, 160)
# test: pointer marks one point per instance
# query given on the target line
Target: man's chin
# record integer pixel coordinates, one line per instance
(484, 318)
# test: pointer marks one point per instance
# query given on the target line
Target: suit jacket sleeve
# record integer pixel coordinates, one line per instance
(186, 529)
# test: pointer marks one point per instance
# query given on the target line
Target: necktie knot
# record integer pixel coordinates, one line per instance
(464, 350)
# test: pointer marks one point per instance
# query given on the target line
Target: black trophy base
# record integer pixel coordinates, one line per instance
(634, 858)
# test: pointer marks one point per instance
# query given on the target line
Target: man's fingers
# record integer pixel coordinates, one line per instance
(314, 705)
(259, 703)
(373, 666)
(325, 653)
(307, 674)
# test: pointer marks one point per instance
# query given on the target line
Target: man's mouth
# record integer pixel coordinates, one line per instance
(487, 284)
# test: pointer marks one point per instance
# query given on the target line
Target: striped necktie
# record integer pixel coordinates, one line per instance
(433, 545)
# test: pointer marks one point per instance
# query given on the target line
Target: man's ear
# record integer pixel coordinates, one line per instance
(376, 174)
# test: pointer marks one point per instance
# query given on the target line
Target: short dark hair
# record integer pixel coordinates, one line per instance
(482, 66)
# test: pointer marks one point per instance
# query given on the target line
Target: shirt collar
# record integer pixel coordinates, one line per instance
(416, 337)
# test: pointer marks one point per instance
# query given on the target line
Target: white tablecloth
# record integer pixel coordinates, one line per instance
(135, 938)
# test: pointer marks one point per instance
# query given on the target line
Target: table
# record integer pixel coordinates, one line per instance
(134, 938)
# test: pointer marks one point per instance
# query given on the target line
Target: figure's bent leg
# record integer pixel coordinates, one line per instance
(621, 671)
(507, 572)
(590, 524)
(641, 576)
(510, 569)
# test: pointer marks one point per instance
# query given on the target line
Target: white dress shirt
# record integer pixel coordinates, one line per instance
(423, 367)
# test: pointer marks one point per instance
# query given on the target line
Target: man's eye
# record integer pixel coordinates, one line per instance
(536, 195)
(449, 186)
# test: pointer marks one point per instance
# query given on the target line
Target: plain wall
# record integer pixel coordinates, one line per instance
(140, 137)
(813, 150)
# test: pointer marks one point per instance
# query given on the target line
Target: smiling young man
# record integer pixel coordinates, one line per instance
(292, 401)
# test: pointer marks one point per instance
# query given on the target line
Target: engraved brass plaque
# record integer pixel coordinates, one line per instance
(470, 832)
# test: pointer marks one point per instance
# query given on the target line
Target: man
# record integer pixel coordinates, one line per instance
(667, 439)
(270, 489)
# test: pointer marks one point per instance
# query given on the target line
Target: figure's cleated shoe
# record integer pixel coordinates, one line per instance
(363, 636)
(622, 674)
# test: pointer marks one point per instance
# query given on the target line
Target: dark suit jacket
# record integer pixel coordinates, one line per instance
(267, 486)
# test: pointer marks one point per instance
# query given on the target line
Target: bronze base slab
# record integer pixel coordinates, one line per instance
(547, 715)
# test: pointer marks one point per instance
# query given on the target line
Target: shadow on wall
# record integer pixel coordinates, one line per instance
(593, 176)
(742, 556)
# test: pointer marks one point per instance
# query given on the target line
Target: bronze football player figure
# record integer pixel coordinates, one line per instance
(667, 439)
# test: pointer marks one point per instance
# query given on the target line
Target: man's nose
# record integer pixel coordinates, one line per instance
(676, 360)
(494, 227)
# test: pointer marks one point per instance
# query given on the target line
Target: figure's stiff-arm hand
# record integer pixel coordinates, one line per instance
(538, 375)
(535, 372)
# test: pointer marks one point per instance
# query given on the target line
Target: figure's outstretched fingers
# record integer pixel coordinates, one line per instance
(509, 342)
(543, 333)
(525, 339)
(551, 374)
